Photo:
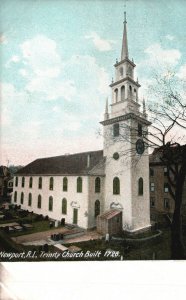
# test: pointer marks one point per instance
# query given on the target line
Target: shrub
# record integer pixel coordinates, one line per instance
(8, 216)
(38, 218)
(45, 247)
(23, 213)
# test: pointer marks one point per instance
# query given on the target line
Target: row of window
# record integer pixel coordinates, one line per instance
(166, 203)
(116, 129)
(50, 203)
(65, 184)
(166, 187)
(116, 185)
(165, 171)
(122, 93)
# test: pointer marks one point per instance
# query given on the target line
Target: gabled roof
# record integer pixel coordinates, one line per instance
(74, 164)
(110, 214)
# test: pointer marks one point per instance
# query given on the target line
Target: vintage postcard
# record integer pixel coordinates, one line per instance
(93, 119)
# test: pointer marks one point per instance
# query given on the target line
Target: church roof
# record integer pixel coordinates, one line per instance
(110, 214)
(86, 163)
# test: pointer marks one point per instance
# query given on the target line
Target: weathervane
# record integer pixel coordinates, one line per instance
(125, 8)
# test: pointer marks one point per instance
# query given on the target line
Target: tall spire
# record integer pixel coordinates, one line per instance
(124, 51)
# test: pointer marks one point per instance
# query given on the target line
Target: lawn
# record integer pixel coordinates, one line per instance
(38, 226)
(158, 249)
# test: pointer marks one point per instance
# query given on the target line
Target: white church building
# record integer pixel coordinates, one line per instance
(80, 187)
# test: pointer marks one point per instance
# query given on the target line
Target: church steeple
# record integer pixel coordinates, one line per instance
(124, 51)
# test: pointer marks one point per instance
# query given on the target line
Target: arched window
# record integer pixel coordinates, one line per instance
(116, 95)
(116, 186)
(39, 202)
(135, 94)
(122, 92)
(50, 203)
(30, 182)
(23, 182)
(130, 90)
(30, 199)
(51, 184)
(15, 196)
(121, 71)
(79, 185)
(16, 181)
(116, 129)
(40, 183)
(65, 184)
(140, 186)
(97, 185)
(22, 198)
(97, 208)
(64, 206)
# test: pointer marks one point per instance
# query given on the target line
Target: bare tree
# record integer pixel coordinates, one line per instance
(168, 114)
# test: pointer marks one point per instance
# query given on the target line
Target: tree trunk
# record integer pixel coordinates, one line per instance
(177, 246)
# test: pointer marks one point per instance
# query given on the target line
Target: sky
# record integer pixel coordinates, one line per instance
(56, 61)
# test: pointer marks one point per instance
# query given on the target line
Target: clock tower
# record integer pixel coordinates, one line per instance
(127, 160)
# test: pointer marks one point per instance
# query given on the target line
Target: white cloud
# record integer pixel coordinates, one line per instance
(43, 69)
(100, 43)
(41, 55)
(23, 72)
(13, 59)
(56, 109)
(159, 56)
(10, 95)
(170, 37)
(95, 79)
(52, 89)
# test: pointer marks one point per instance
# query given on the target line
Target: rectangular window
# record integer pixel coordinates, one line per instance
(16, 181)
(116, 129)
(152, 202)
(151, 172)
(166, 187)
(152, 187)
(165, 171)
(166, 203)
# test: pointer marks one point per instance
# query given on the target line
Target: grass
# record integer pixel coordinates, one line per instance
(38, 226)
(158, 249)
